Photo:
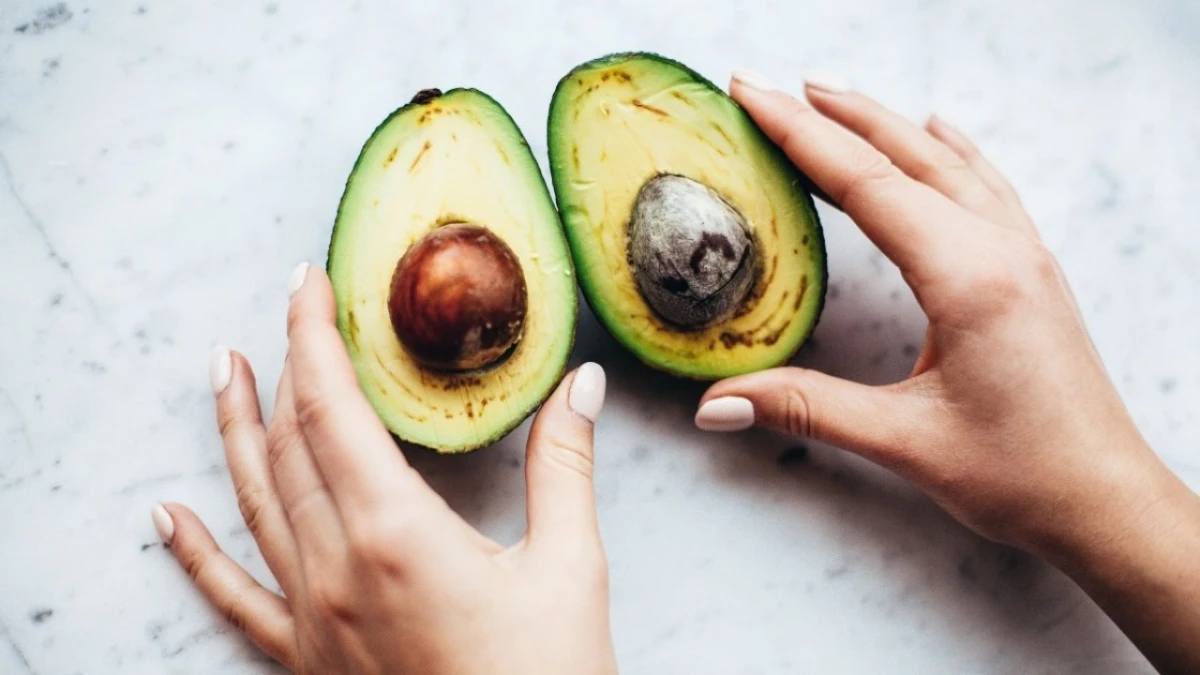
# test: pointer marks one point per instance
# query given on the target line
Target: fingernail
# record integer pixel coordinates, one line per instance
(163, 523)
(827, 82)
(587, 391)
(297, 279)
(728, 413)
(220, 369)
(753, 80)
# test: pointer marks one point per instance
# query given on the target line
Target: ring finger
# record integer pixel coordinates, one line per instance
(239, 418)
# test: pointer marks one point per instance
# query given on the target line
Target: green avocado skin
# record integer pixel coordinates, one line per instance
(559, 174)
(422, 98)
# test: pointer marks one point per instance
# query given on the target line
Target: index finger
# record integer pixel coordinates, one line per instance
(914, 225)
(357, 456)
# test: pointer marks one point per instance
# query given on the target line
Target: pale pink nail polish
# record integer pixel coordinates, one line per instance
(297, 279)
(163, 523)
(754, 80)
(220, 369)
(826, 82)
(728, 413)
(587, 391)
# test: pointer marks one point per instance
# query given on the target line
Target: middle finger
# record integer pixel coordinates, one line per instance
(302, 490)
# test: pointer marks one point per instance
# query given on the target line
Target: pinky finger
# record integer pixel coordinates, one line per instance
(987, 172)
(261, 615)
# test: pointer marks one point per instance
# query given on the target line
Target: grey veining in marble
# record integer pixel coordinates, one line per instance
(163, 165)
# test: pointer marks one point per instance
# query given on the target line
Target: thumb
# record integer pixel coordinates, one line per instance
(559, 460)
(871, 421)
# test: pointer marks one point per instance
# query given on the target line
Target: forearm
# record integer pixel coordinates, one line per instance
(1143, 569)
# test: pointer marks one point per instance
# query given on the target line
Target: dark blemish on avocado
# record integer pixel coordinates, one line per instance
(470, 410)
(420, 154)
(731, 340)
(40, 615)
(579, 81)
(575, 157)
(449, 415)
(711, 241)
(503, 154)
(391, 157)
(603, 155)
(454, 137)
(804, 240)
(352, 325)
(724, 134)
(456, 382)
(795, 251)
(649, 108)
(605, 111)
(604, 77)
(47, 18)
(803, 291)
(622, 76)
(792, 456)
(425, 96)
(774, 225)
(684, 99)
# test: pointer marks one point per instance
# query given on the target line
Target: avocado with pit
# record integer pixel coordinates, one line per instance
(455, 288)
(696, 243)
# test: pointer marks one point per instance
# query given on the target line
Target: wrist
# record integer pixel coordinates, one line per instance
(1131, 530)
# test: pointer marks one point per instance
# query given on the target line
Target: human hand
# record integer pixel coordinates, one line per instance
(378, 574)
(1008, 420)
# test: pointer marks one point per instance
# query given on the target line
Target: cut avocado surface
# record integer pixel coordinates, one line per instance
(695, 242)
(454, 284)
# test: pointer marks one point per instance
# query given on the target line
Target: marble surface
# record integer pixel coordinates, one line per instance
(163, 165)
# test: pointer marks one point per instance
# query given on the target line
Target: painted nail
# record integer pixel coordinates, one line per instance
(728, 413)
(163, 523)
(827, 82)
(220, 369)
(587, 391)
(297, 279)
(753, 80)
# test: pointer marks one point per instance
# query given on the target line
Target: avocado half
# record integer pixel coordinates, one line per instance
(695, 242)
(454, 283)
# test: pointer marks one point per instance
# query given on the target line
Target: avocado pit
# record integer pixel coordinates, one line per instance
(458, 299)
(692, 254)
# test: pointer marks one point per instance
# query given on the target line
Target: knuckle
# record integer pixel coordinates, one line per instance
(233, 608)
(799, 413)
(251, 499)
(869, 169)
(312, 410)
(792, 137)
(332, 601)
(280, 437)
(568, 456)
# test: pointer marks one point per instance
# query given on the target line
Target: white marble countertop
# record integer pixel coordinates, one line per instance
(163, 165)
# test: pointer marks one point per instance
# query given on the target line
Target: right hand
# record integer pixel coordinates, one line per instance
(1008, 420)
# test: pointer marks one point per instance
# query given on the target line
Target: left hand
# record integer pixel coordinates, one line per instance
(378, 574)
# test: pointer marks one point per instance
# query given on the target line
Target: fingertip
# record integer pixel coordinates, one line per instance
(164, 524)
(587, 391)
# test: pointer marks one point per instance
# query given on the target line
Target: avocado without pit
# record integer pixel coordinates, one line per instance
(695, 242)
(454, 283)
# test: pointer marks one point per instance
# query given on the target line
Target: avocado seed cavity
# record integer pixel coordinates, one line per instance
(458, 299)
(692, 254)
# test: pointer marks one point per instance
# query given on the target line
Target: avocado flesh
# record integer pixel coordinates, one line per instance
(620, 121)
(450, 158)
